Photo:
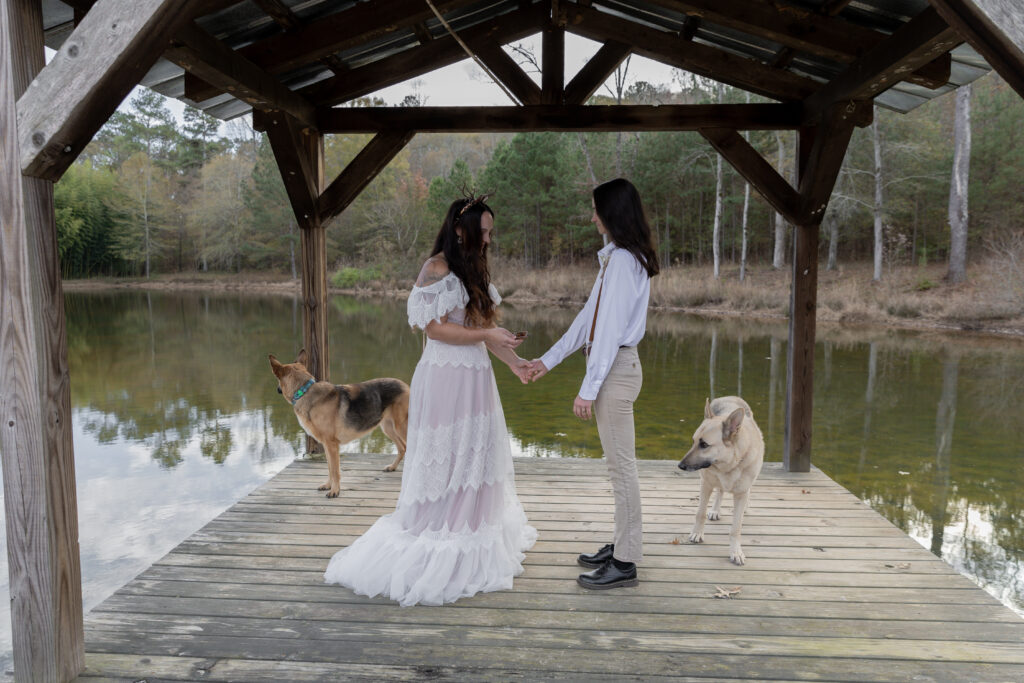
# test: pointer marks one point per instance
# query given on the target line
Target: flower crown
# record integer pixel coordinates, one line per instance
(472, 200)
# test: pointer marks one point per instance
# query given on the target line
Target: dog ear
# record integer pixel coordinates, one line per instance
(275, 364)
(301, 358)
(732, 424)
(707, 409)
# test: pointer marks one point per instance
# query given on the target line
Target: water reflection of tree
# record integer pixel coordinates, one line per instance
(165, 369)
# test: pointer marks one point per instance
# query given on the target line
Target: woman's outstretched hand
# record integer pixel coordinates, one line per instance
(502, 338)
(582, 408)
(523, 370)
(537, 369)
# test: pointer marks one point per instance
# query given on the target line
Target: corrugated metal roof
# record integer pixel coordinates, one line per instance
(245, 23)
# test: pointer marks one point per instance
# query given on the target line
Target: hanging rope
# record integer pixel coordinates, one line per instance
(469, 52)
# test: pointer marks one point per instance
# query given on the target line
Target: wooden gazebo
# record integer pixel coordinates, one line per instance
(823, 62)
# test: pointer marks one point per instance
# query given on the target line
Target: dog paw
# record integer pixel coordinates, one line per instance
(737, 557)
(697, 537)
(713, 516)
(333, 493)
(390, 468)
(323, 487)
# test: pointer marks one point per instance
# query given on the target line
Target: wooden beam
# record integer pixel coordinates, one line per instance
(290, 143)
(509, 73)
(749, 163)
(703, 60)
(800, 30)
(995, 28)
(313, 256)
(282, 15)
(610, 118)
(822, 160)
(96, 67)
(425, 58)
(833, 7)
(370, 161)
(553, 65)
(214, 62)
(361, 23)
(803, 303)
(916, 43)
(40, 498)
(595, 72)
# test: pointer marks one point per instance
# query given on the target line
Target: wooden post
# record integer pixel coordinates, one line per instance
(314, 273)
(796, 456)
(553, 65)
(35, 404)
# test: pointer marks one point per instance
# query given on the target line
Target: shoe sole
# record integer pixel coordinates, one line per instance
(628, 583)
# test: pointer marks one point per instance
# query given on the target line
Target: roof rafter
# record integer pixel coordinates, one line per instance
(97, 66)
(700, 59)
(511, 74)
(425, 58)
(993, 28)
(917, 42)
(214, 62)
(561, 118)
(363, 22)
(595, 72)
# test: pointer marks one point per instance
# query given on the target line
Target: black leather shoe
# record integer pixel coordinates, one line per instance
(597, 559)
(610, 575)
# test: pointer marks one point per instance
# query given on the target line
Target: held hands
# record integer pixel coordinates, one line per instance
(535, 369)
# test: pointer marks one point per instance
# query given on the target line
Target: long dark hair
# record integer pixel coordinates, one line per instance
(468, 258)
(618, 205)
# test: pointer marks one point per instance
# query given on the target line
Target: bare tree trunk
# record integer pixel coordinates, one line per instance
(958, 187)
(711, 362)
(833, 240)
(779, 257)
(716, 238)
(590, 169)
(876, 138)
(945, 417)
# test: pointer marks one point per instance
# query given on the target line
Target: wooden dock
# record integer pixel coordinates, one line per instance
(830, 591)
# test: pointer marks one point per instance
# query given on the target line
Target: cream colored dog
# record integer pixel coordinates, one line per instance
(728, 449)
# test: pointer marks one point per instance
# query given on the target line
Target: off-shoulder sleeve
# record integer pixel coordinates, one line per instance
(493, 291)
(436, 300)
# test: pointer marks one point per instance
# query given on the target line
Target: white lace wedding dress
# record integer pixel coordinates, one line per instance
(459, 528)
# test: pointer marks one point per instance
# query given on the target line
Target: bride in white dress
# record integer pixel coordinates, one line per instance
(459, 528)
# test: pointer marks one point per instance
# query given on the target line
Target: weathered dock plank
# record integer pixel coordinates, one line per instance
(831, 591)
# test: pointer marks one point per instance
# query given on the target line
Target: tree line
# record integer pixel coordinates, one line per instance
(153, 195)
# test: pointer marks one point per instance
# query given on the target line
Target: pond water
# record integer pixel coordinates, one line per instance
(176, 417)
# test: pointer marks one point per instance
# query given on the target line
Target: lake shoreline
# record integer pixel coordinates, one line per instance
(523, 292)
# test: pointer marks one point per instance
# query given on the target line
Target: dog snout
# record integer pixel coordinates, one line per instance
(279, 390)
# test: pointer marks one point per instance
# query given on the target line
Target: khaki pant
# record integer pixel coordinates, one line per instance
(614, 412)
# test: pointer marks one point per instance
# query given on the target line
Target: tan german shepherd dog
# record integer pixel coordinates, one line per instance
(728, 449)
(335, 414)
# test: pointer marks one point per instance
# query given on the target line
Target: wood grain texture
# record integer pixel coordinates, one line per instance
(995, 28)
(359, 172)
(749, 163)
(572, 117)
(35, 407)
(97, 66)
(839, 597)
(214, 62)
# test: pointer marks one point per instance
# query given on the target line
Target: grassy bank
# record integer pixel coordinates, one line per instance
(906, 296)
(992, 300)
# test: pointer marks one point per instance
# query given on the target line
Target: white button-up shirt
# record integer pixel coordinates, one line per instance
(621, 318)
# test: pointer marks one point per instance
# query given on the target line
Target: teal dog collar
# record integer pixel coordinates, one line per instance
(302, 390)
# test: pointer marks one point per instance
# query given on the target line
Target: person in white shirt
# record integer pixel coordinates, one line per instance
(608, 330)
